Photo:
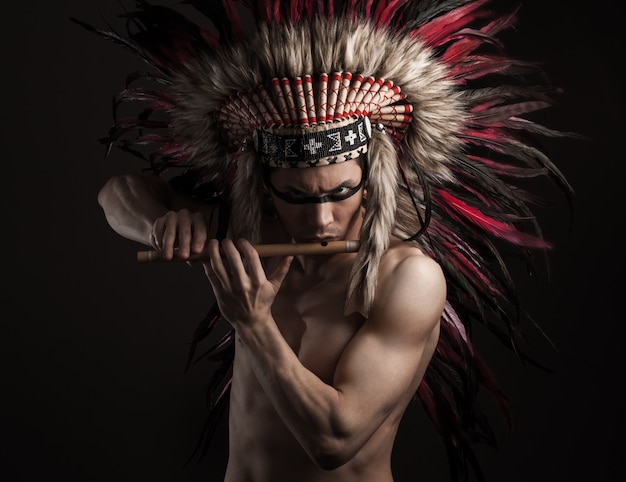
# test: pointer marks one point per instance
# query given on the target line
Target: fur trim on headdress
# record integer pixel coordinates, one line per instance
(378, 222)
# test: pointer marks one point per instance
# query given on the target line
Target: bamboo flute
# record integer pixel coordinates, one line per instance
(268, 250)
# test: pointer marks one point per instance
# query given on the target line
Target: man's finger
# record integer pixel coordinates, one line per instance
(184, 233)
(199, 233)
(255, 268)
(233, 257)
(217, 263)
(279, 273)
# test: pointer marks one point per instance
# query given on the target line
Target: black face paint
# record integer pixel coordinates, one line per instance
(288, 198)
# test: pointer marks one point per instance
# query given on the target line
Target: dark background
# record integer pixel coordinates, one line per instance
(94, 345)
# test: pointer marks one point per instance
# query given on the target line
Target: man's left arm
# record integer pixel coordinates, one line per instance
(383, 361)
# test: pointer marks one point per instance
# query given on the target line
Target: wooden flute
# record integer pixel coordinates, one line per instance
(268, 250)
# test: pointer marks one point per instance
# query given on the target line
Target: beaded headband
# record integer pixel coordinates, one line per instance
(313, 146)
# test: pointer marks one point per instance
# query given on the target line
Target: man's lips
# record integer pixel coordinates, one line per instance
(319, 239)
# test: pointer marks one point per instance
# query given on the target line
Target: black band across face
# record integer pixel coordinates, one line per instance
(288, 198)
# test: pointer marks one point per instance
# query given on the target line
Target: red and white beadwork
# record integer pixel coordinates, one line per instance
(305, 102)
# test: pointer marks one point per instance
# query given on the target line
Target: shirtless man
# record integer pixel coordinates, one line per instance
(316, 395)
(387, 122)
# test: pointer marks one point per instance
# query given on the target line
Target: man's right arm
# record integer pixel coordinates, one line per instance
(146, 209)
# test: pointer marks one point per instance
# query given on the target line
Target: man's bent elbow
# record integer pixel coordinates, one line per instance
(331, 462)
(332, 454)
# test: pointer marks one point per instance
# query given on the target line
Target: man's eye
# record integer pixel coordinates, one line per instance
(296, 194)
(341, 190)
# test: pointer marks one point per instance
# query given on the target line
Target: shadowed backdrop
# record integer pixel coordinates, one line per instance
(94, 345)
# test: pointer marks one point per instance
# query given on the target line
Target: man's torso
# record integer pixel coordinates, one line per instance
(310, 315)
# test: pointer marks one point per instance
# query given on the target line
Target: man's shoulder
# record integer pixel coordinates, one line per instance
(404, 259)
(411, 285)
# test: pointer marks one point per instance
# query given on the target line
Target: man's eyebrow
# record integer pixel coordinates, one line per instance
(344, 183)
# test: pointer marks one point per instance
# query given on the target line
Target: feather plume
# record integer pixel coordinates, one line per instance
(457, 138)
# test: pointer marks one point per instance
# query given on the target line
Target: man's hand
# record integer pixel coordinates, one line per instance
(179, 233)
(243, 291)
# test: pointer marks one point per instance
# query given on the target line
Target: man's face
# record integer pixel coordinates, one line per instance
(319, 203)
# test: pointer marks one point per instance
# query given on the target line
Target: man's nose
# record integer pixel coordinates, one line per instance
(320, 214)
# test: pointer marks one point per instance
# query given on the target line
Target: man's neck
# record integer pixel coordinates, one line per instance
(323, 267)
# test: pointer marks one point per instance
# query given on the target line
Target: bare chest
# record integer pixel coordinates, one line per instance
(313, 323)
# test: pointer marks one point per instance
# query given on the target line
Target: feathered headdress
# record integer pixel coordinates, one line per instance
(422, 88)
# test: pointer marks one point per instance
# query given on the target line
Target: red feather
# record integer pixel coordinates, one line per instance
(438, 30)
(386, 11)
(465, 213)
(470, 269)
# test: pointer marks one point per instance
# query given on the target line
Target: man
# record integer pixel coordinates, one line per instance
(338, 121)
(323, 389)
